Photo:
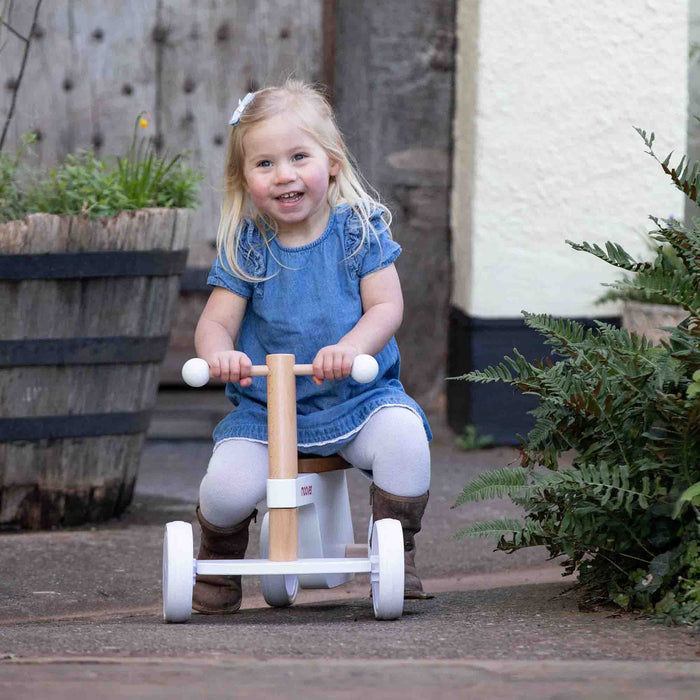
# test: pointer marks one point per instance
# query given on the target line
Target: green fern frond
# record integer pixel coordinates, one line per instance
(614, 254)
(684, 343)
(498, 483)
(619, 357)
(511, 534)
(492, 528)
(684, 177)
(618, 340)
(684, 241)
(562, 386)
(497, 373)
(602, 483)
(674, 286)
(524, 372)
(559, 332)
(542, 434)
(648, 140)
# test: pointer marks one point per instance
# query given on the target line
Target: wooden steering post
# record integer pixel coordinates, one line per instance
(282, 445)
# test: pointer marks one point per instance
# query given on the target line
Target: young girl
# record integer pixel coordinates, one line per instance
(305, 266)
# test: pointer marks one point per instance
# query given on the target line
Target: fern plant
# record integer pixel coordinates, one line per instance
(626, 513)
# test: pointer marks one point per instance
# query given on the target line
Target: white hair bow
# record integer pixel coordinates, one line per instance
(242, 104)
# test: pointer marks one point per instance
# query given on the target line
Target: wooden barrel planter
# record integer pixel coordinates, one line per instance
(86, 308)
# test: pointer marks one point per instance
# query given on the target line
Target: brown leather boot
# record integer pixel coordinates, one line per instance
(408, 510)
(220, 595)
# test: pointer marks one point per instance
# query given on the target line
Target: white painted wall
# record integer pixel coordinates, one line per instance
(547, 96)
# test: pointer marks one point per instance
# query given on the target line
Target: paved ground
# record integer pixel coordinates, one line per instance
(80, 614)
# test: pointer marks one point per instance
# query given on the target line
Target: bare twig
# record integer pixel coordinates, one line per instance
(14, 31)
(15, 88)
(6, 14)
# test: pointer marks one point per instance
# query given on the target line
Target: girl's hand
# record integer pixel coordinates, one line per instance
(231, 366)
(333, 362)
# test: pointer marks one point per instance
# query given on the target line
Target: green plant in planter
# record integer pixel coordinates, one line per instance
(148, 180)
(626, 513)
(96, 187)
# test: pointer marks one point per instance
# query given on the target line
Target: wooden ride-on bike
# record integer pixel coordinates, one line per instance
(306, 538)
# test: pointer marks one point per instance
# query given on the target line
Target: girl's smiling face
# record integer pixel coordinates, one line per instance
(287, 174)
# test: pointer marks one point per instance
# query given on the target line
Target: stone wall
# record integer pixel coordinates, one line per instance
(393, 83)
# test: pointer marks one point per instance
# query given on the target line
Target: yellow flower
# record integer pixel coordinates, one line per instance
(143, 123)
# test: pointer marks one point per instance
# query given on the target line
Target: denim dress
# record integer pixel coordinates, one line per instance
(311, 299)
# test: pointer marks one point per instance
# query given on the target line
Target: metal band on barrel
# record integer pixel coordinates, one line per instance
(73, 426)
(152, 263)
(82, 351)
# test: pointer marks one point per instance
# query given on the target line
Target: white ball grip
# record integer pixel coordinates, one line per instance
(364, 369)
(195, 372)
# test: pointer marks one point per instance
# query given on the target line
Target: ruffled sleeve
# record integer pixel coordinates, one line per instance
(378, 251)
(251, 259)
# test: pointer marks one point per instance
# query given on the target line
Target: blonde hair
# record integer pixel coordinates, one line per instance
(316, 118)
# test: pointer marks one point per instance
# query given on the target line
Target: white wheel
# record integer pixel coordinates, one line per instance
(387, 573)
(279, 590)
(178, 571)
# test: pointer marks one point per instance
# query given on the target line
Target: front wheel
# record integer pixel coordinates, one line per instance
(178, 571)
(279, 590)
(387, 572)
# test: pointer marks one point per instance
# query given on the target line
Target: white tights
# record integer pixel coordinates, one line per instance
(391, 448)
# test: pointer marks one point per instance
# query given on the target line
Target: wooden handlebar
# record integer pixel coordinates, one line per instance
(264, 370)
(196, 371)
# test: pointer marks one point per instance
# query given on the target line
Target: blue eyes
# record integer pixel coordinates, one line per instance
(267, 163)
